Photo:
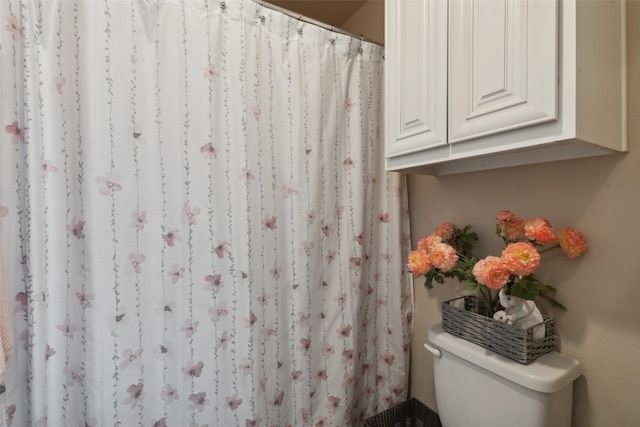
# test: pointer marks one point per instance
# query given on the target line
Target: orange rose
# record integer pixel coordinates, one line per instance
(443, 257)
(521, 258)
(491, 272)
(572, 242)
(540, 230)
(510, 226)
(419, 262)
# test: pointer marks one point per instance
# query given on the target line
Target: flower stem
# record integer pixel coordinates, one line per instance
(557, 245)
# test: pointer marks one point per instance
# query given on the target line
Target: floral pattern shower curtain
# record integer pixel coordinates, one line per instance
(196, 223)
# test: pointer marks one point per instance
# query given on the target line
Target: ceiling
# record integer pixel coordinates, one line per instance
(332, 12)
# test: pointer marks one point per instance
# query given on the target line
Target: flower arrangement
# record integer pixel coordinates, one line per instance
(447, 253)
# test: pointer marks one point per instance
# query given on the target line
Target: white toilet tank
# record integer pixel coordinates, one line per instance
(476, 387)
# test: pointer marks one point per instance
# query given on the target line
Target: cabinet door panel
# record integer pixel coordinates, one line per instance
(416, 73)
(502, 65)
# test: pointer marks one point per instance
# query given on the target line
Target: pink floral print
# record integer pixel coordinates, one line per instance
(302, 317)
(135, 394)
(129, 357)
(11, 409)
(322, 375)
(334, 404)
(217, 313)
(348, 357)
(162, 422)
(233, 402)
(251, 320)
(193, 369)
(278, 398)
(108, 184)
(189, 328)
(264, 298)
(289, 191)
(49, 352)
(13, 28)
(310, 216)
(76, 228)
(275, 272)
(268, 333)
(85, 297)
(222, 249)
(169, 394)
(344, 330)
(59, 82)
(356, 262)
(306, 247)
(73, 377)
(47, 168)
(198, 400)
(246, 366)
(348, 104)
(170, 237)
(223, 341)
(256, 112)
(17, 132)
(215, 282)
(296, 376)
(210, 72)
(22, 301)
(388, 358)
(139, 220)
(67, 328)
(176, 273)
(269, 223)
(246, 175)
(190, 213)
(136, 261)
(305, 345)
(208, 151)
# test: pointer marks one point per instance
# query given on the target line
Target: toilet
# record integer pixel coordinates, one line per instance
(477, 387)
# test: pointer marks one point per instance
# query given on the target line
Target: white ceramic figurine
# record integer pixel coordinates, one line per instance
(522, 313)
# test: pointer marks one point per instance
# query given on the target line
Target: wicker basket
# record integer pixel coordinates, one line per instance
(411, 413)
(460, 317)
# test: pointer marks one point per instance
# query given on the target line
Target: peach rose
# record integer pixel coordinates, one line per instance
(510, 226)
(540, 230)
(491, 272)
(446, 231)
(419, 262)
(443, 257)
(572, 242)
(521, 258)
(427, 242)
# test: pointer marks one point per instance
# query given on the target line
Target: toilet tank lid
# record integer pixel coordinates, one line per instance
(547, 374)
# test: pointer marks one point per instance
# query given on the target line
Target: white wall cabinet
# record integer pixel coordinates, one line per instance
(483, 84)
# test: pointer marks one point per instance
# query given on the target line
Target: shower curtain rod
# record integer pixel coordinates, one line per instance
(315, 22)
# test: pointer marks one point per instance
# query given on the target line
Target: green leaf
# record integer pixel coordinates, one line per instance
(428, 282)
(554, 303)
(473, 286)
(527, 287)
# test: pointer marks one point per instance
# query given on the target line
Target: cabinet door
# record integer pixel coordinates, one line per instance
(503, 66)
(415, 76)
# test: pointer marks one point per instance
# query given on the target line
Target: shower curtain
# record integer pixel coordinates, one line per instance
(196, 224)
